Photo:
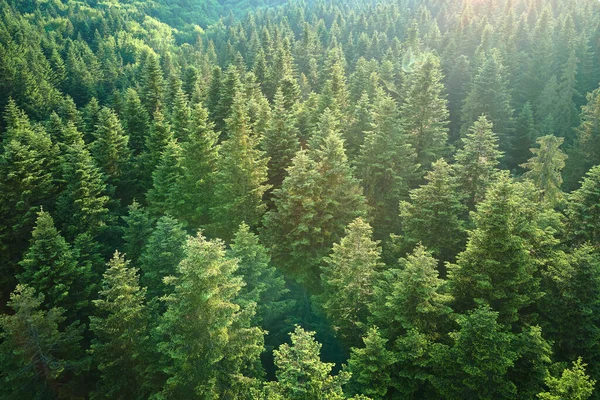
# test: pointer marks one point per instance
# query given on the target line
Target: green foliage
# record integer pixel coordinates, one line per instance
(163, 197)
(348, 280)
(138, 228)
(120, 326)
(545, 167)
(573, 384)
(210, 349)
(38, 352)
(583, 210)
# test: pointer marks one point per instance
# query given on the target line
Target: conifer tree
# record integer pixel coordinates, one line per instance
(199, 154)
(49, 267)
(210, 348)
(136, 121)
(152, 82)
(136, 232)
(82, 206)
(372, 365)
(524, 139)
(37, 350)
(545, 167)
(572, 384)
(264, 284)
(161, 254)
(477, 362)
(504, 251)
(120, 326)
(181, 118)
(229, 89)
(156, 142)
(477, 162)
(386, 165)
(163, 197)
(360, 123)
(433, 215)
(490, 96)
(111, 150)
(348, 281)
(281, 141)
(583, 217)
(425, 112)
(240, 177)
(301, 374)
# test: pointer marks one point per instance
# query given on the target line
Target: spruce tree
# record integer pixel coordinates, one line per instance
(386, 165)
(545, 167)
(138, 228)
(199, 154)
(348, 281)
(136, 121)
(490, 96)
(264, 284)
(152, 82)
(49, 267)
(301, 374)
(583, 210)
(38, 352)
(477, 162)
(425, 112)
(156, 142)
(120, 327)
(572, 384)
(209, 347)
(240, 177)
(281, 141)
(433, 215)
(475, 365)
(162, 252)
(163, 197)
(524, 139)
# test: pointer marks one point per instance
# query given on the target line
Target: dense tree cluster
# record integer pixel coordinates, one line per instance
(380, 199)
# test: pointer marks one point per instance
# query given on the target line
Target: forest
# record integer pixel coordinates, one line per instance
(300, 199)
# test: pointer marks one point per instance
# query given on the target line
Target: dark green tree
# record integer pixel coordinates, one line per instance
(152, 82)
(136, 232)
(583, 210)
(136, 121)
(164, 197)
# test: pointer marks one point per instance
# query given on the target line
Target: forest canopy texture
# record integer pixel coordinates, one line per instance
(300, 200)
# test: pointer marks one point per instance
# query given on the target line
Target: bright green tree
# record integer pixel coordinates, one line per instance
(156, 142)
(49, 267)
(573, 384)
(210, 348)
(475, 365)
(348, 281)
(433, 215)
(425, 112)
(161, 254)
(301, 374)
(240, 177)
(163, 197)
(545, 168)
(135, 119)
(38, 352)
(152, 82)
(120, 327)
(477, 162)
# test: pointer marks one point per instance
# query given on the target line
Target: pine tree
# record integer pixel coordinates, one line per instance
(583, 210)
(425, 112)
(490, 96)
(524, 139)
(152, 82)
(476, 364)
(120, 327)
(49, 267)
(82, 206)
(573, 384)
(386, 166)
(229, 89)
(348, 281)
(161, 254)
(360, 123)
(240, 178)
(500, 264)
(210, 348)
(163, 197)
(136, 121)
(38, 352)
(110, 150)
(136, 232)
(433, 215)
(264, 284)
(545, 167)
(156, 142)
(371, 366)
(301, 374)
(199, 154)
(477, 162)
(181, 114)
(281, 141)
